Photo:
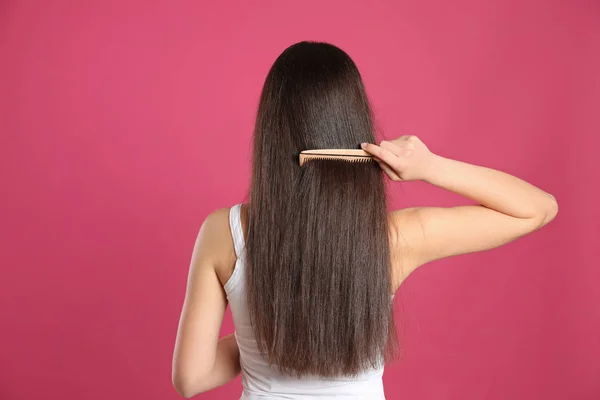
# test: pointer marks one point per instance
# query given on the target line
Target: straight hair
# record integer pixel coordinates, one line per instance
(319, 280)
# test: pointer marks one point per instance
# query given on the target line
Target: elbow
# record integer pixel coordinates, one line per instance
(549, 213)
(185, 386)
(552, 211)
(189, 380)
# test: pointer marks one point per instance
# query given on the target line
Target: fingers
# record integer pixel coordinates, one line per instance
(381, 153)
(389, 172)
(395, 149)
(400, 148)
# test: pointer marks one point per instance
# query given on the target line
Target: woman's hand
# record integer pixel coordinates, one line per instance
(403, 159)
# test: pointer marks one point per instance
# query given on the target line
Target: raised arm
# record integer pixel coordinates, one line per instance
(508, 208)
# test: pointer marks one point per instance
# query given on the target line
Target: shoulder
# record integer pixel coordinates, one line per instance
(214, 241)
(216, 225)
(217, 218)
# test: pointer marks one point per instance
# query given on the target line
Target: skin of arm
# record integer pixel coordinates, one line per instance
(509, 207)
(494, 189)
(202, 361)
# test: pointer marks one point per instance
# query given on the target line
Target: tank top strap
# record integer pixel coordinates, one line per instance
(235, 224)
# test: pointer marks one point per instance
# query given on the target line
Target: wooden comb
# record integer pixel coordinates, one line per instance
(350, 155)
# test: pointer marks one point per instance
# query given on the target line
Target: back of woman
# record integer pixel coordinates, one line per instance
(310, 265)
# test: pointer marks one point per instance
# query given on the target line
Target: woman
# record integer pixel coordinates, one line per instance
(309, 267)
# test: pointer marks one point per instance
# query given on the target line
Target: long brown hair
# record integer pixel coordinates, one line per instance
(318, 277)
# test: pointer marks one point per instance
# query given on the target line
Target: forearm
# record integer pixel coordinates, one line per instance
(227, 364)
(226, 367)
(492, 188)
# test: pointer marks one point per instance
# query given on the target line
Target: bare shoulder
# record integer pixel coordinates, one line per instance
(423, 234)
(214, 242)
(216, 225)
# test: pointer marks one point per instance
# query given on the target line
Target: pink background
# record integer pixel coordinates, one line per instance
(124, 123)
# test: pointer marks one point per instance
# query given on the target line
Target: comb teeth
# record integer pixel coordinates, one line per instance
(349, 159)
(350, 155)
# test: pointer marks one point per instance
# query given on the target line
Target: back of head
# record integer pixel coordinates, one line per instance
(318, 253)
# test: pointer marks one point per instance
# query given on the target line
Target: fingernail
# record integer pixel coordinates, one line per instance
(363, 145)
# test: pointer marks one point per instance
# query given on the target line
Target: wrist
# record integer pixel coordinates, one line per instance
(432, 168)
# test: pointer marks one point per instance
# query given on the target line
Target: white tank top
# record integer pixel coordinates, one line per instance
(260, 381)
